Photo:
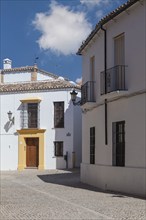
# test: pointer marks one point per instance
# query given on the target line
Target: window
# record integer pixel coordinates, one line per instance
(92, 145)
(119, 48)
(118, 143)
(30, 115)
(58, 148)
(92, 68)
(58, 114)
(91, 89)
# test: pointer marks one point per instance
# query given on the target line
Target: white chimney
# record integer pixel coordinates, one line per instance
(7, 64)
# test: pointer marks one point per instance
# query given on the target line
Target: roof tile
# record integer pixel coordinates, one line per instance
(37, 85)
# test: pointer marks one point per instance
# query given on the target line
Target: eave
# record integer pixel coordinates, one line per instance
(105, 20)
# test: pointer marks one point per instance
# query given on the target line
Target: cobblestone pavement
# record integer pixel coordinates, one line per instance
(59, 195)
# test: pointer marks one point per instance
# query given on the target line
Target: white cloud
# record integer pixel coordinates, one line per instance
(62, 30)
(92, 3)
(99, 14)
(79, 81)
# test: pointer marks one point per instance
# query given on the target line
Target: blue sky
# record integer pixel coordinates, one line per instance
(50, 30)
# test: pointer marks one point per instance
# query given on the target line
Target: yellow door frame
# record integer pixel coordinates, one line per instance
(30, 133)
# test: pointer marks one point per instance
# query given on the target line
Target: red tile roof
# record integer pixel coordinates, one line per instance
(37, 85)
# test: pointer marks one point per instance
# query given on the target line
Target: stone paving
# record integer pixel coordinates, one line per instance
(59, 195)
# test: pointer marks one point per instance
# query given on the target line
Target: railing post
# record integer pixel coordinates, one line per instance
(115, 79)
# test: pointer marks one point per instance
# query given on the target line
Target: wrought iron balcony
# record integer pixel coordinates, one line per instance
(88, 92)
(114, 80)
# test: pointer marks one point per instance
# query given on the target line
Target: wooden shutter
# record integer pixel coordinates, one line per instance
(119, 48)
(91, 90)
(24, 115)
(92, 68)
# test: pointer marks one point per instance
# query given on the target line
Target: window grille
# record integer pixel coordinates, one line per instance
(30, 115)
(58, 148)
(58, 114)
(92, 145)
(118, 143)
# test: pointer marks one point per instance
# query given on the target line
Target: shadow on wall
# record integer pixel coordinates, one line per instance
(68, 137)
(60, 135)
(8, 125)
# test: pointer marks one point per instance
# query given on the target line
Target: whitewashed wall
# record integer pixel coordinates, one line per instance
(12, 77)
(17, 77)
(77, 123)
(41, 76)
(134, 48)
(9, 138)
(131, 178)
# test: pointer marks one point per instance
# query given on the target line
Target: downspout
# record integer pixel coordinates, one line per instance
(105, 78)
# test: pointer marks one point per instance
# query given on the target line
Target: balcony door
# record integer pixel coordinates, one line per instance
(119, 61)
(119, 50)
(91, 90)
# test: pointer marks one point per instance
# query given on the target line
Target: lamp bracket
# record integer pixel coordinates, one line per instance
(77, 103)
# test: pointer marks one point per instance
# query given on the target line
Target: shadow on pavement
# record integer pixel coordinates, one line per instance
(72, 179)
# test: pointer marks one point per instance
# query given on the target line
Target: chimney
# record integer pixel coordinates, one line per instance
(34, 73)
(1, 77)
(7, 64)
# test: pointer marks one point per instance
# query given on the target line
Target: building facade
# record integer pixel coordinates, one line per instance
(114, 101)
(39, 128)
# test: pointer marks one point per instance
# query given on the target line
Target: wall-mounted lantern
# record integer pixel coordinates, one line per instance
(10, 117)
(74, 96)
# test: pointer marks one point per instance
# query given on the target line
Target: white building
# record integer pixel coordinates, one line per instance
(114, 104)
(42, 126)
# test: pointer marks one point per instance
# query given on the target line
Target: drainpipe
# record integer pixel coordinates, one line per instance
(105, 88)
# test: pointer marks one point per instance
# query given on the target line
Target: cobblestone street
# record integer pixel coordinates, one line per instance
(44, 195)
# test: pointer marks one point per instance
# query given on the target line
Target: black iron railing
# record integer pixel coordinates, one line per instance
(30, 115)
(88, 92)
(114, 79)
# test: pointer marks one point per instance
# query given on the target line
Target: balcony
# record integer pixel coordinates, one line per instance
(88, 93)
(115, 80)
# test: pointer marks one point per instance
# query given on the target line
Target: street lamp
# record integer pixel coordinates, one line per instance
(74, 96)
(10, 117)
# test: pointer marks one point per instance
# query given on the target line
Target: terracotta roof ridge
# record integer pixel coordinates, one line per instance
(31, 68)
(36, 85)
(48, 73)
(16, 69)
(104, 20)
